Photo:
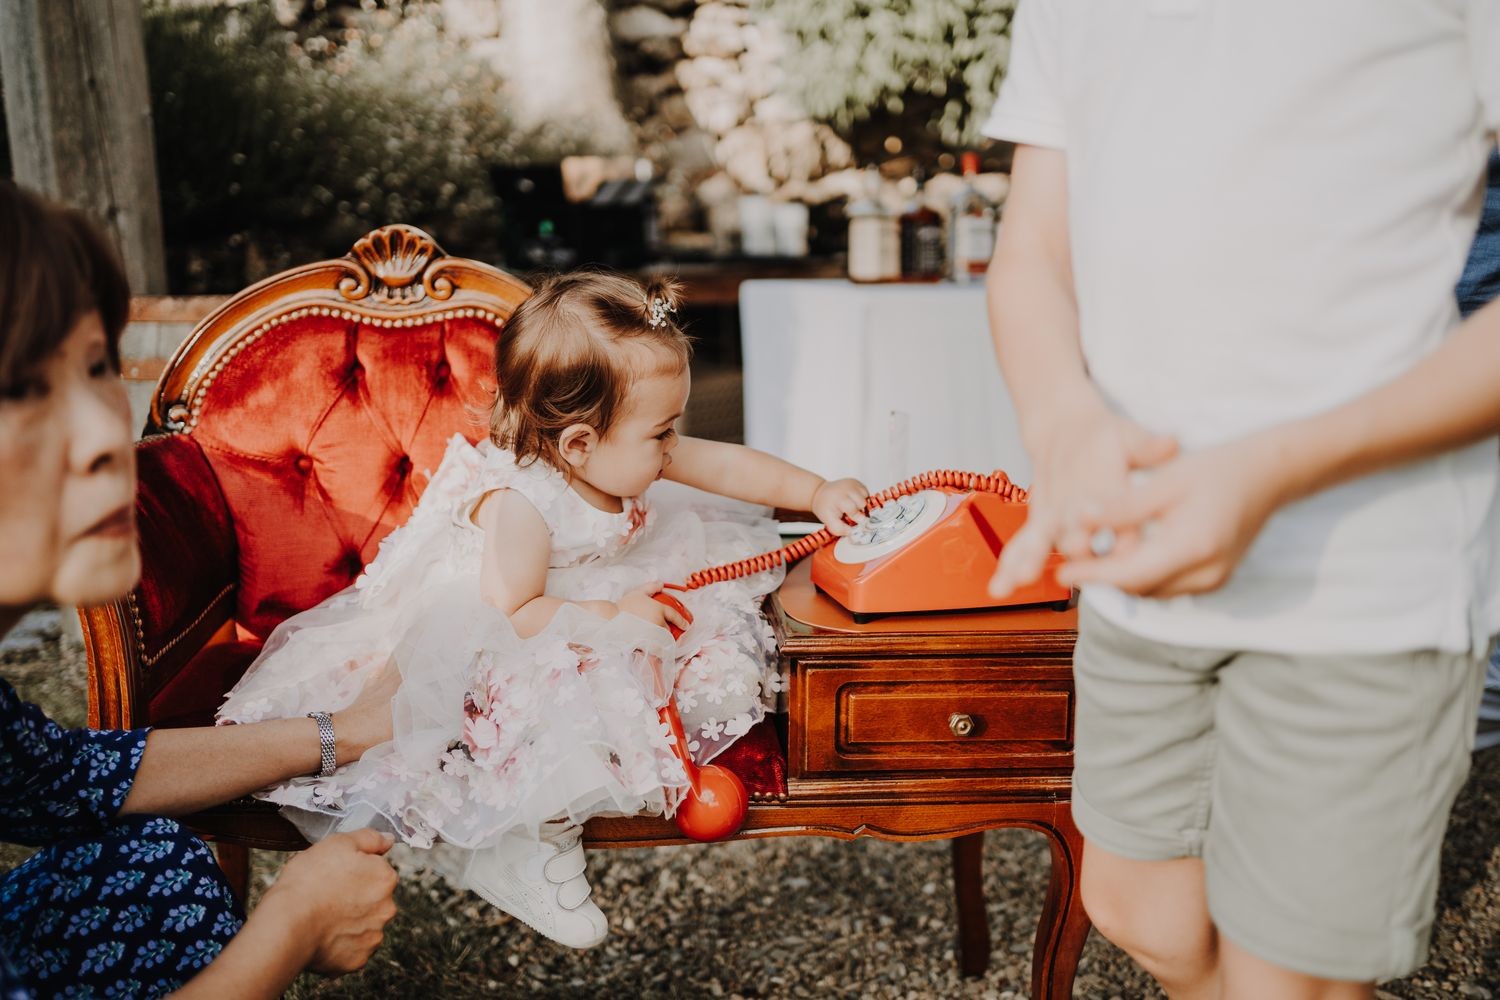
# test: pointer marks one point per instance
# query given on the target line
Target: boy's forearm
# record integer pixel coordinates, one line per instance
(1034, 324)
(1449, 399)
(1033, 310)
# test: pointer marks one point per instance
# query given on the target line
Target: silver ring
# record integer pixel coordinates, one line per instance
(1102, 542)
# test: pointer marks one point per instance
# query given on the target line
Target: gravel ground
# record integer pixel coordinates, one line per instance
(793, 917)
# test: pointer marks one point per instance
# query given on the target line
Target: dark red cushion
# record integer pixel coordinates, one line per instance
(188, 555)
(759, 759)
(193, 696)
(320, 432)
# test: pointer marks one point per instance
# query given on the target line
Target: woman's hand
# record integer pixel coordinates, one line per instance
(337, 895)
(837, 499)
(1085, 458)
(1185, 526)
(367, 722)
(640, 603)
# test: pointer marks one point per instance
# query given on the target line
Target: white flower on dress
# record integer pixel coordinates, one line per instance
(627, 701)
(481, 733)
(556, 657)
(686, 700)
(448, 796)
(739, 725)
(712, 729)
(327, 794)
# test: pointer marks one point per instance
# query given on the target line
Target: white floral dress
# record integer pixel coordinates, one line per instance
(496, 734)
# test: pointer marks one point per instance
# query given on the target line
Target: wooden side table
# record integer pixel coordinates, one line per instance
(926, 728)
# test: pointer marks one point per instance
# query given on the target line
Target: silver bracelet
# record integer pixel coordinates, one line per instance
(328, 759)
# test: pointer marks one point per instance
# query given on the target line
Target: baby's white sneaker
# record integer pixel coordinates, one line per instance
(543, 885)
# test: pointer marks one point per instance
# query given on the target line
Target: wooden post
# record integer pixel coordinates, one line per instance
(78, 111)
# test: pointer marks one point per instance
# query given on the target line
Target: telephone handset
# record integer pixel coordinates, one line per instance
(929, 543)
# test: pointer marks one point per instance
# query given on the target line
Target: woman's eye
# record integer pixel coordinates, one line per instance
(664, 435)
(103, 368)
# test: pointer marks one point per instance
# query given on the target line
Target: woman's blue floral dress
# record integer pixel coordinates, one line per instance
(109, 907)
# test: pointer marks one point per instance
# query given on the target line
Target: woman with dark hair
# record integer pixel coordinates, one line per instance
(121, 901)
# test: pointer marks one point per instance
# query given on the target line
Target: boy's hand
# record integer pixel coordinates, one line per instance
(642, 605)
(838, 499)
(1201, 512)
(1084, 460)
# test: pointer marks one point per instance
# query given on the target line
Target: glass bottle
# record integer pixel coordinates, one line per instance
(874, 236)
(922, 250)
(971, 228)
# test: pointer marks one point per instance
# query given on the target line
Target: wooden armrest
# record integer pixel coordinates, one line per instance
(185, 597)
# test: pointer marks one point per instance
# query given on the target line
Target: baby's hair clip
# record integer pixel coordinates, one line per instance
(658, 308)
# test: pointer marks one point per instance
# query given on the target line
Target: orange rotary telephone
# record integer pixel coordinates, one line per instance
(933, 550)
(960, 519)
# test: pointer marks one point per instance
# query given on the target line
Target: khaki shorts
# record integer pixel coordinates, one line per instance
(1316, 789)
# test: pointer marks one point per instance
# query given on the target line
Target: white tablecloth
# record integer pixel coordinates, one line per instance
(875, 381)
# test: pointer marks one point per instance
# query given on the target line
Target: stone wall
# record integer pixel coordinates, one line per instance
(701, 85)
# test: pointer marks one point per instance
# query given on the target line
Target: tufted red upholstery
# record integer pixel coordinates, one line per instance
(319, 435)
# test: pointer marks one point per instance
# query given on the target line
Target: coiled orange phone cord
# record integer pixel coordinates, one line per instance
(997, 482)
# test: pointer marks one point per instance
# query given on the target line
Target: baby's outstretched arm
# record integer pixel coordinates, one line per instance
(733, 470)
(513, 576)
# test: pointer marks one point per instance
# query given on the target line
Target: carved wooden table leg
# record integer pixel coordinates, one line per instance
(1064, 926)
(968, 889)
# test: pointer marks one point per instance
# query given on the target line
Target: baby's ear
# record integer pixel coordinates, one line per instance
(576, 443)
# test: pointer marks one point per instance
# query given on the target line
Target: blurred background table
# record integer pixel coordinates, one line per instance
(875, 381)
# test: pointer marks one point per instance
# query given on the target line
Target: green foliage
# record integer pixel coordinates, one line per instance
(848, 58)
(274, 150)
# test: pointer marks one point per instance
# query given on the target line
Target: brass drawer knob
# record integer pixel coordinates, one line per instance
(961, 724)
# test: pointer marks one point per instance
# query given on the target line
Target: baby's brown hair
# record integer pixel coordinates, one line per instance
(565, 357)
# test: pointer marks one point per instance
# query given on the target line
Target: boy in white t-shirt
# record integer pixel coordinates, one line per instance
(1223, 301)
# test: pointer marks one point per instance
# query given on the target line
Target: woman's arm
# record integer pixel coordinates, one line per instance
(185, 770)
(733, 470)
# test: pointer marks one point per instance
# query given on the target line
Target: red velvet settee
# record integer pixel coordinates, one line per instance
(288, 435)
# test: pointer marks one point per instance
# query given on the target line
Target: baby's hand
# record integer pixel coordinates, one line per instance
(837, 499)
(642, 605)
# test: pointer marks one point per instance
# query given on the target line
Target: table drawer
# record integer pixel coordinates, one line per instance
(934, 716)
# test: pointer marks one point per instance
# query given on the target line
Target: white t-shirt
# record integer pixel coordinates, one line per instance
(1269, 205)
